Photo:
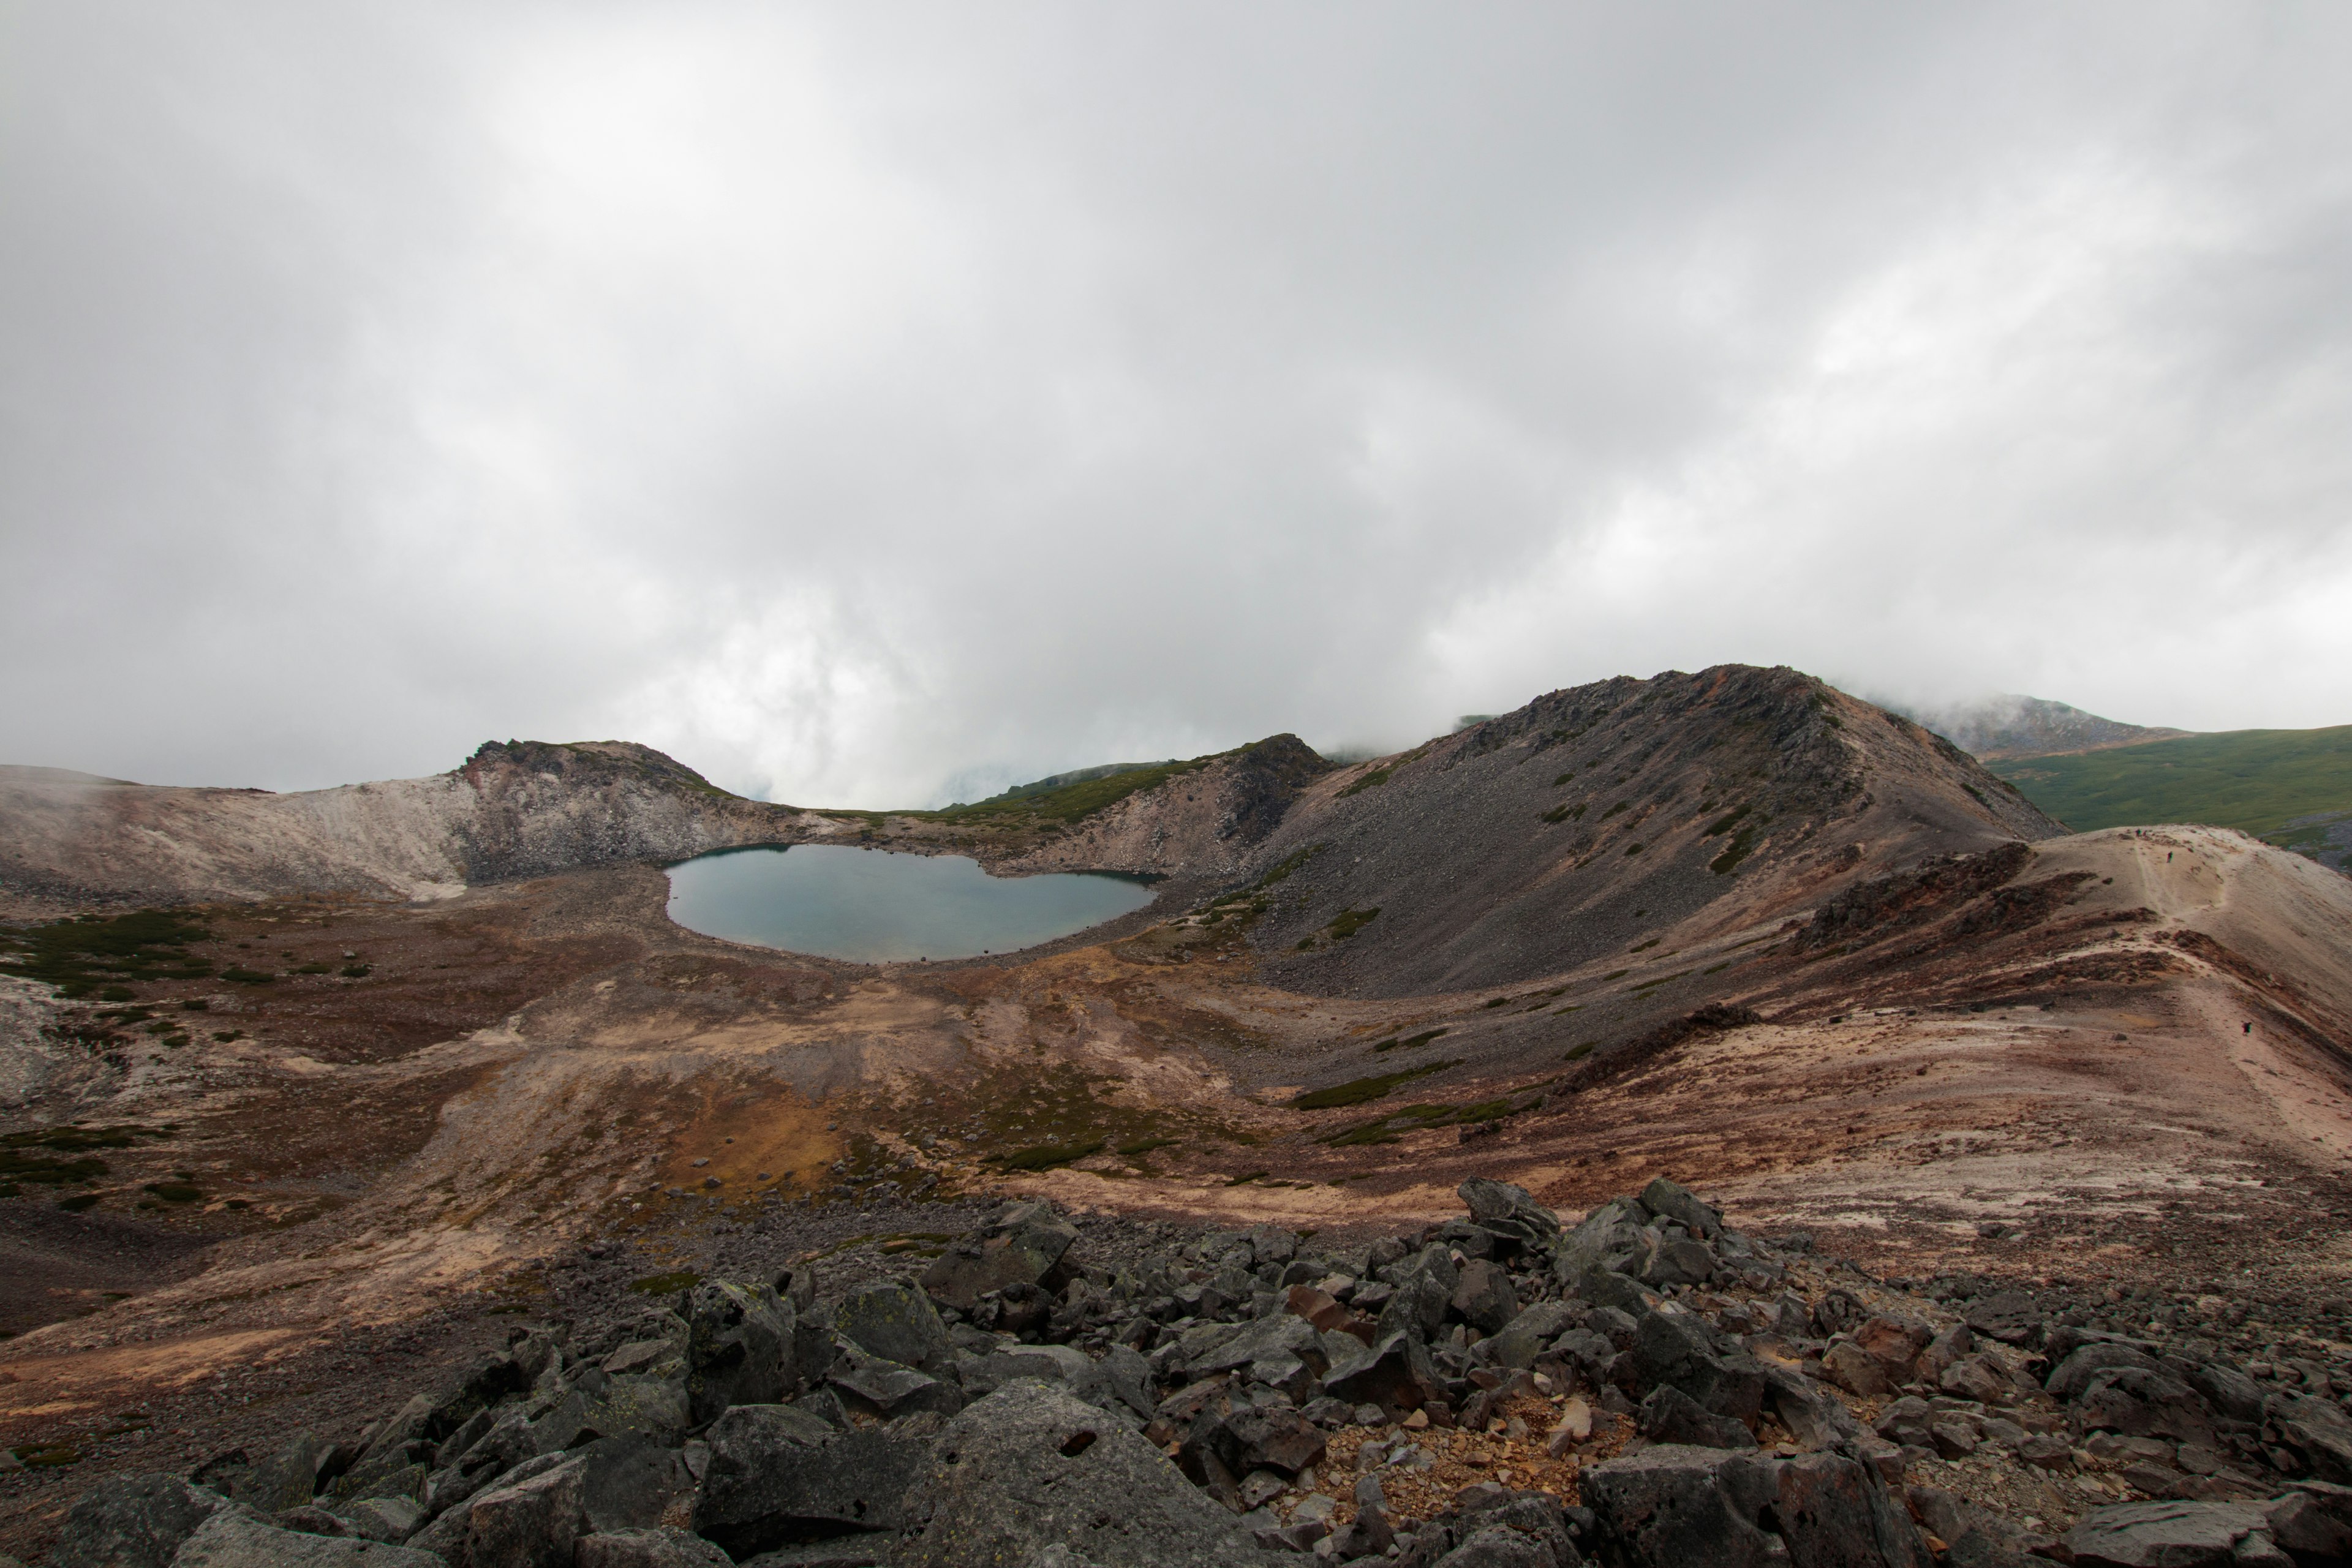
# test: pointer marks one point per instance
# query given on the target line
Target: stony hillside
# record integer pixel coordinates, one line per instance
(1548, 838)
(2006, 727)
(513, 810)
(1206, 822)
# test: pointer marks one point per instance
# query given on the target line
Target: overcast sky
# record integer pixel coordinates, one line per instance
(877, 404)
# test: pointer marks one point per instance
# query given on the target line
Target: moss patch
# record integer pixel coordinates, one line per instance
(1362, 1090)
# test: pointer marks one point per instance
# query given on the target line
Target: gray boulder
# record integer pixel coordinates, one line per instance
(1031, 1468)
(131, 1521)
(1025, 1244)
(739, 1347)
(1424, 1291)
(660, 1547)
(896, 1322)
(1670, 1416)
(1671, 1200)
(374, 1519)
(231, 1539)
(2173, 1534)
(1483, 1297)
(1509, 1212)
(1678, 1350)
(1666, 1260)
(2012, 1316)
(1678, 1507)
(1499, 1546)
(2071, 1376)
(778, 1474)
(887, 1390)
(1521, 1339)
(1601, 1242)
(2316, 1428)
(1394, 1373)
(2140, 1403)
(533, 1521)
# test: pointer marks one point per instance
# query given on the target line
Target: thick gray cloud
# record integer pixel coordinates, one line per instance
(874, 403)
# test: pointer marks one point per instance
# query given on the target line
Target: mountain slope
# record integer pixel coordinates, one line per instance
(1545, 838)
(2010, 726)
(2293, 787)
(513, 810)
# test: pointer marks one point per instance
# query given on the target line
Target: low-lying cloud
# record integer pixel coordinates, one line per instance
(878, 405)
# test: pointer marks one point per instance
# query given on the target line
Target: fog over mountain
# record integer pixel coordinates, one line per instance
(887, 405)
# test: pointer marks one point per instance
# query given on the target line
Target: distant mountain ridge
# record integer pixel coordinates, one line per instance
(2007, 726)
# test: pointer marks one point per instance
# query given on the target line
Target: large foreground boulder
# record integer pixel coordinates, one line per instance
(1025, 1244)
(739, 1347)
(2173, 1535)
(132, 1521)
(779, 1476)
(231, 1539)
(1031, 1468)
(1680, 1507)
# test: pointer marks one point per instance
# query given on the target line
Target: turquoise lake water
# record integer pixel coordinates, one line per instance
(871, 906)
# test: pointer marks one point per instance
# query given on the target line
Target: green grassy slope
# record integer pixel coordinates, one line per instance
(2257, 780)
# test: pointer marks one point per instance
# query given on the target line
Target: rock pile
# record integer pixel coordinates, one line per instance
(1247, 1399)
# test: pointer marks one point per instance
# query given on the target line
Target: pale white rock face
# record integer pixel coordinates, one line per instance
(71, 835)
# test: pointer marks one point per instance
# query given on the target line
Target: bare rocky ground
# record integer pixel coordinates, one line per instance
(2105, 1068)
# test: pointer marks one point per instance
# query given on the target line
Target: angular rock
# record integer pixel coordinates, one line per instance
(1483, 1297)
(2144, 1404)
(653, 1408)
(2069, 1377)
(1499, 1546)
(1524, 1338)
(2317, 1429)
(1671, 1506)
(896, 1322)
(1670, 1200)
(1894, 1343)
(230, 1539)
(2233, 1393)
(1602, 1243)
(1977, 1377)
(2307, 1523)
(1395, 1375)
(534, 1523)
(1269, 1340)
(739, 1347)
(1855, 1370)
(2012, 1317)
(1675, 1349)
(1024, 1245)
(131, 1521)
(2171, 1534)
(1030, 1468)
(1538, 1516)
(660, 1547)
(887, 1390)
(390, 1519)
(777, 1475)
(1248, 1438)
(1831, 1510)
(1509, 1212)
(1675, 1260)
(1425, 1290)
(1670, 1416)
(1676, 1507)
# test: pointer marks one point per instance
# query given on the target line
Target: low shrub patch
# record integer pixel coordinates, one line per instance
(1362, 1090)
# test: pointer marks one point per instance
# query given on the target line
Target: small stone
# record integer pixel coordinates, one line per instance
(1416, 1422)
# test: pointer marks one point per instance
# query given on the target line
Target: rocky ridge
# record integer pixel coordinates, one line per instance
(1651, 1387)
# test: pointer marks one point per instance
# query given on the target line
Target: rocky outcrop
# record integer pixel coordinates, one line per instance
(1217, 1403)
(1548, 838)
(513, 810)
(1205, 823)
